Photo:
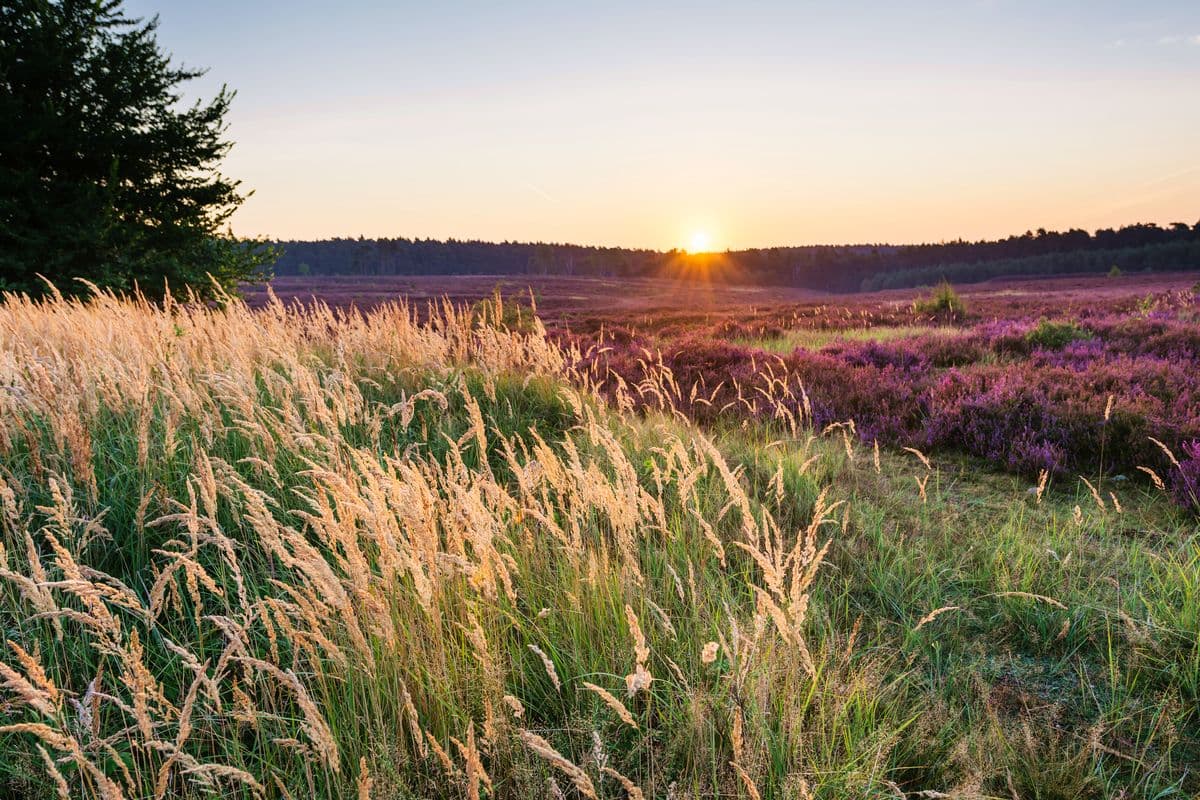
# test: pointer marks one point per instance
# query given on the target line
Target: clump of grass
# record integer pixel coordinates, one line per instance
(1055, 334)
(508, 314)
(943, 301)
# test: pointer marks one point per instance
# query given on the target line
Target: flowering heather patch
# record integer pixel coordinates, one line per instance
(1073, 394)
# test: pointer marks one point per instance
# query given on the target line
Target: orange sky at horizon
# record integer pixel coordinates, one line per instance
(760, 125)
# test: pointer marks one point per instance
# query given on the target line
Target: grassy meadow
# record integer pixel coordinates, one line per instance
(300, 552)
(809, 339)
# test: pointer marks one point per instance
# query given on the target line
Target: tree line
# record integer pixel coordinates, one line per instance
(1141, 246)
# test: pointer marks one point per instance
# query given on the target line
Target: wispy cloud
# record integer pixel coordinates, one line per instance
(1179, 39)
(539, 190)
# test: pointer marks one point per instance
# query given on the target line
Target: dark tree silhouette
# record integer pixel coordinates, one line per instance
(105, 175)
(833, 267)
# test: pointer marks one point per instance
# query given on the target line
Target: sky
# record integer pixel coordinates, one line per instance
(754, 124)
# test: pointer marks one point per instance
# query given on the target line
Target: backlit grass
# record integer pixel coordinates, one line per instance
(300, 554)
(818, 339)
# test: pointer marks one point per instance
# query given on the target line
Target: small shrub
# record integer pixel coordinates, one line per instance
(944, 300)
(1051, 335)
(1115, 272)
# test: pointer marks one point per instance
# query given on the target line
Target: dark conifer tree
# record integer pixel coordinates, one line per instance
(106, 175)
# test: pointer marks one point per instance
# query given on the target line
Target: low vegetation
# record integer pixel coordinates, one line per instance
(786, 342)
(1093, 390)
(1054, 335)
(307, 553)
(943, 301)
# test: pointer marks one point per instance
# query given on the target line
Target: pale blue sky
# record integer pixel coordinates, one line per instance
(760, 123)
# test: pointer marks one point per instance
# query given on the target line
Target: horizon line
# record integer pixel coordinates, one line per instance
(1091, 232)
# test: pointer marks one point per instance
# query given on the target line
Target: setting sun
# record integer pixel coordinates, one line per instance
(700, 242)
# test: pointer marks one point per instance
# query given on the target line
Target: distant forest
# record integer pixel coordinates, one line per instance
(838, 268)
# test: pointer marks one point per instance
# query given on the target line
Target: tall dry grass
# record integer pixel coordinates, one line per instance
(300, 552)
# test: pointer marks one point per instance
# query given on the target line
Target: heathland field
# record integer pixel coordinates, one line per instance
(899, 545)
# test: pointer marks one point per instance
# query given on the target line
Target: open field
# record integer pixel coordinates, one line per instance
(556, 294)
(1072, 375)
(615, 298)
(297, 553)
(1067, 376)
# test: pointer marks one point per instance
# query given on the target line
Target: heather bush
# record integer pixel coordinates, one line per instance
(997, 417)
(916, 353)
(885, 403)
(900, 356)
(1185, 478)
(1007, 337)
(1169, 337)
